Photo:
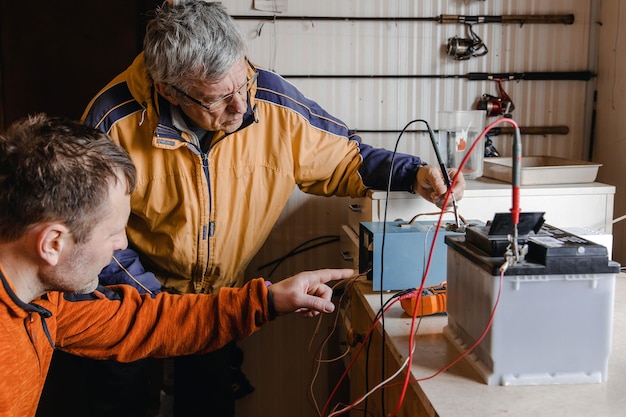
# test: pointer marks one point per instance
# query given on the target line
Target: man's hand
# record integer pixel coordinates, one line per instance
(431, 185)
(307, 293)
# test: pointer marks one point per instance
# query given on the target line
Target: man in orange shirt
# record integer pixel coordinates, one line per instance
(64, 203)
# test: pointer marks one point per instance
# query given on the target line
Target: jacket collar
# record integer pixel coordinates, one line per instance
(168, 136)
(21, 309)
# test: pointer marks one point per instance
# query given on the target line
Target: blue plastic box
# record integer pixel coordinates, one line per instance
(406, 249)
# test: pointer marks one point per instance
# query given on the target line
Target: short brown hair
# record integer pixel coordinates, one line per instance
(55, 169)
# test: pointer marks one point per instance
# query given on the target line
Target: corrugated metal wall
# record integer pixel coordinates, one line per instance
(314, 47)
(379, 48)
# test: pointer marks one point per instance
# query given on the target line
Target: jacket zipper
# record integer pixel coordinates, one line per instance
(205, 168)
(209, 227)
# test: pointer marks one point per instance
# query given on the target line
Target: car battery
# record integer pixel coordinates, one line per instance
(395, 254)
(554, 318)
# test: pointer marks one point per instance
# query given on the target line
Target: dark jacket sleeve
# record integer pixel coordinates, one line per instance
(377, 163)
(129, 271)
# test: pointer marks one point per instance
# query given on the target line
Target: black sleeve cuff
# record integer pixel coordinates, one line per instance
(270, 305)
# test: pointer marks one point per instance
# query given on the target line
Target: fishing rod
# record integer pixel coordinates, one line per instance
(472, 76)
(458, 48)
(525, 130)
(566, 19)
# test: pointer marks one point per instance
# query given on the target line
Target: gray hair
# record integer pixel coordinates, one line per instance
(191, 40)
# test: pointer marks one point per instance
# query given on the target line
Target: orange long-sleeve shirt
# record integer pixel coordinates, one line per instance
(115, 323)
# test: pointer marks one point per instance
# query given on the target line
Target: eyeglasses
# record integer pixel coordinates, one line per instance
(224, 101)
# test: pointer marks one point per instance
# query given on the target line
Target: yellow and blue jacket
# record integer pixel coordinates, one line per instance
(198, 217)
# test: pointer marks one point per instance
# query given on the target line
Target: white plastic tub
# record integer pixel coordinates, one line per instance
(538, 170)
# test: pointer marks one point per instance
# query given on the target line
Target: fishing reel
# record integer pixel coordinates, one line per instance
(496, 106)
(464, 48)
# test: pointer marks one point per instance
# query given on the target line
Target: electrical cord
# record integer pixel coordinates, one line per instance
(380, 385)
(384, 233)
(317, 363)
(478, 340)
(146, 289)
(619, 219)
(356, 355)
(515, 211)
(384, 384)
(382, 247)
(388, 304)
(380, 316)
(369, 341)
(297, 250)
(433, 214)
